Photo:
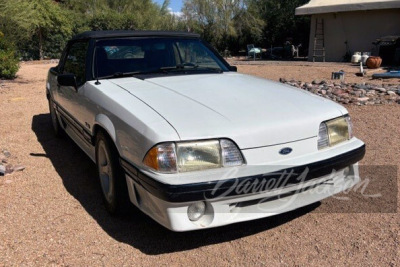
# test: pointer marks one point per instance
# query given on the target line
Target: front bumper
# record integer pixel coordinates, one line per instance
(243, 198)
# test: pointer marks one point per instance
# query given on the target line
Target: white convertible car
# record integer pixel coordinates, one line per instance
(175, 130)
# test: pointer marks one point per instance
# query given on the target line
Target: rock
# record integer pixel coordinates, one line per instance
(363, 99)
(316, 82)
(2, 170)
(372, 92)
(6, 153)
(338, 92)
(9, 169)
(345, 95)
(19, 167)
(358, 94)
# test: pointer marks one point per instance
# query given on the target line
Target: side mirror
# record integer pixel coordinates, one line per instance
(67, 80)
(232, 68)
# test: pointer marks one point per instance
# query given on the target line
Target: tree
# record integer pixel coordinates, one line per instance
(9, 63)
(119, 14)
(222, 22)
(35, 19)
(281, 22)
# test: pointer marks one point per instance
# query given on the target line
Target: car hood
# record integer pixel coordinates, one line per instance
(253, 112)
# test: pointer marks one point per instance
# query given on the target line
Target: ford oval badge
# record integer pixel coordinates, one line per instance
(285, 151)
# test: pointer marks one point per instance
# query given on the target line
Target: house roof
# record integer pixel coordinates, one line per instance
(119, 33)
(333, 6)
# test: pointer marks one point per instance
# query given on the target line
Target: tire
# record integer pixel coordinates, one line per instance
(111, 176)
(58, 130)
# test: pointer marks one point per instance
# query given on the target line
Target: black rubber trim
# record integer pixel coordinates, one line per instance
(126, 33)
(237, 186)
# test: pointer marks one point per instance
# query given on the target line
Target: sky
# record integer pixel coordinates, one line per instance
(175, 5)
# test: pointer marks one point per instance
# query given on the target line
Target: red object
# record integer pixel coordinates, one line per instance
(374, 62)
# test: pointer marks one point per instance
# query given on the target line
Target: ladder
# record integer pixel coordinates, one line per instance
(319, 40)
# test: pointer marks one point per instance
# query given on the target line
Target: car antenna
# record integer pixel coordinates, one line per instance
(97, 68)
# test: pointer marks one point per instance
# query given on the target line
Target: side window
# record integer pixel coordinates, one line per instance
(75, 61)
(195, 53)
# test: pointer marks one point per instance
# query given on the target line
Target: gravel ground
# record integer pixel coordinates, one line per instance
(51, 213)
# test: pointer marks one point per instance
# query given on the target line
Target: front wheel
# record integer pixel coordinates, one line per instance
(112, 181)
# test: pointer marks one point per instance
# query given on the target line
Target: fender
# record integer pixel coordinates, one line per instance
(104, 122)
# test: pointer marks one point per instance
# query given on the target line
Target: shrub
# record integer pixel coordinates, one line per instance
(9, 63)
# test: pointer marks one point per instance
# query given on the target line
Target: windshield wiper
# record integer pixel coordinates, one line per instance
(119, 75)
(183, 65)
(130, 74)
(218, 70)
(193, 67)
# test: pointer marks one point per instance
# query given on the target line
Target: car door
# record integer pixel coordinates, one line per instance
(73, 103)
(74, 63)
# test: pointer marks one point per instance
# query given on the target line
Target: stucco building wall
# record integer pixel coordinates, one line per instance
(358, 28)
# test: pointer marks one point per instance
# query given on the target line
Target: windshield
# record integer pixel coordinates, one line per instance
(123, 57)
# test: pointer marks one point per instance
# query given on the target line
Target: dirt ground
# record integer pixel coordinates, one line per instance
(51, 213)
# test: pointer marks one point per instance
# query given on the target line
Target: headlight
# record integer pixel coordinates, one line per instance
(193, 156)
(334, 132)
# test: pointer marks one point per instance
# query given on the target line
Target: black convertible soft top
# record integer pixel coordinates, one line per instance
(122, 33)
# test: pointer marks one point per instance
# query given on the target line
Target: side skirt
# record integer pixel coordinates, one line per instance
(77, 133)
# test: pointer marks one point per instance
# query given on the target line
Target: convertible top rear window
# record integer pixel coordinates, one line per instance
(115, 57)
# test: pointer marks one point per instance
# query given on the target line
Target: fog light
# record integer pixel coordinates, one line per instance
(196, 211)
